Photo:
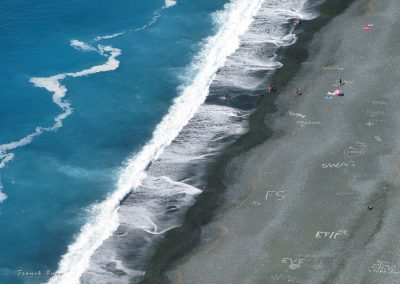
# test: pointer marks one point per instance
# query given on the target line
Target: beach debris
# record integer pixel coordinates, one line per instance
(298, 93)
(370, 207)
(328, 98)
(368, 27)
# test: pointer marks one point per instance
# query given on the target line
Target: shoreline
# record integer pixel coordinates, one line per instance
(180, 241)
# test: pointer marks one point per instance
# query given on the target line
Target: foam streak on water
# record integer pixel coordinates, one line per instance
(153, 20)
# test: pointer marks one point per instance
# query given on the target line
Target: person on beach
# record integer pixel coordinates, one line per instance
(296, 22)
(298, 93)
(270, 89)
(341, 82)
(337, 92)
(223, 98)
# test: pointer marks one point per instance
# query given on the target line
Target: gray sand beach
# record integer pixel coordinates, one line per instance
(318, 202)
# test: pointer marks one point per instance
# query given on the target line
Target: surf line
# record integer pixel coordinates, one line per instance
(232, 22)
(53, 85)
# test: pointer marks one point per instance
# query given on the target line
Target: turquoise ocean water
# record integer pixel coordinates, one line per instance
(52, 180)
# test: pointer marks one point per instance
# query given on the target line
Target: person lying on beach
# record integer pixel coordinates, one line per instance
(296, 22)
(336, 93)
(223, 98)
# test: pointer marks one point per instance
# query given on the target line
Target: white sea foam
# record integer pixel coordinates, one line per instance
(97, 38)
(3, 196)
(81, 46)
(4, 148)
(234, 20)
(170, 3)
(156, 15)
(54, 86)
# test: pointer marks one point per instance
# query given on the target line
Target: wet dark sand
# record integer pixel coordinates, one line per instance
(311, 193)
